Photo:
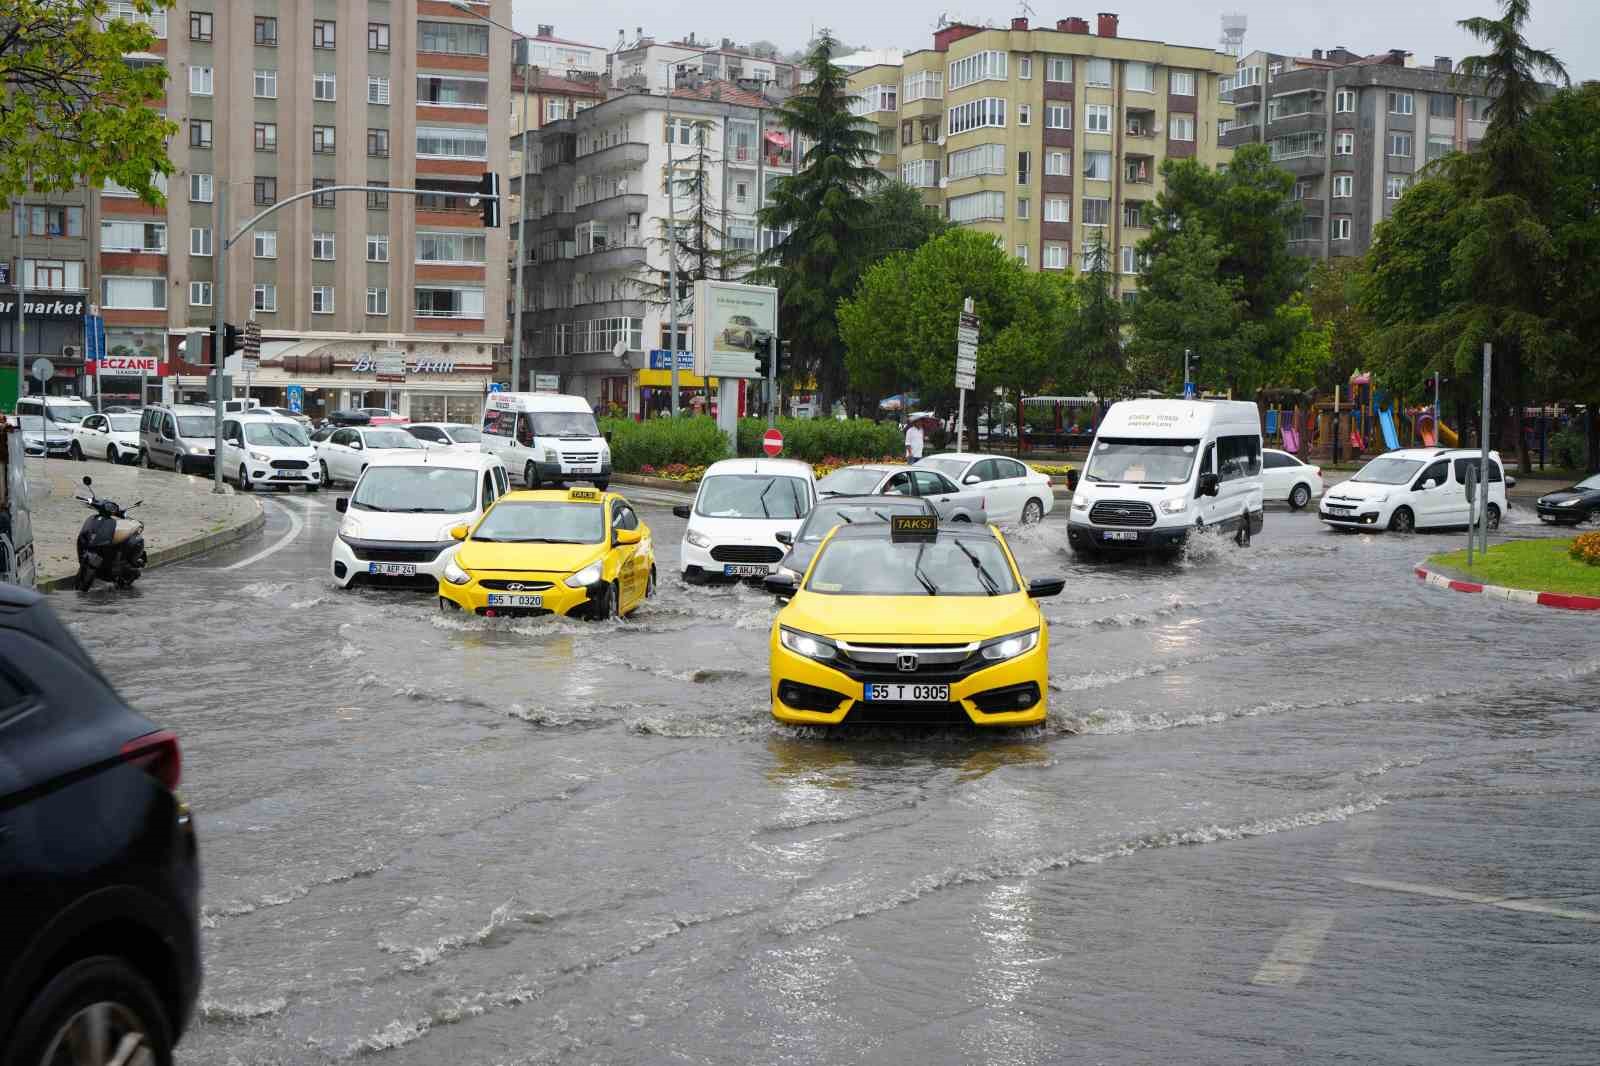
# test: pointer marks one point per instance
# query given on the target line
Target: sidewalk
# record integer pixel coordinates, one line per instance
(181, 516)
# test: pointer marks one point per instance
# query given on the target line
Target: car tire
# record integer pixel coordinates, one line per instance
(1242, 537)
(177, 464)
(149, 461)
(530, 476)
(99, 989)
(77, 453)
(244, 480)
(606, 606)
(1494, 517)
(313, 488)
(1299, 496)
(650, 586)
(1032, 511)
(327, 478)
(1402, 521)
(111, 455)
(602, 485)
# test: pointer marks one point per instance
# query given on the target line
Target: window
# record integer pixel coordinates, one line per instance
(266, 136)
(377, 90)
(1139, 77)
(199, 133)
(453, 38)
(1024, 69)
(448, 143)
(1058, 68)
(1401, 103)
(1296, 145)
(1344, 102)
(266, 243)
(54, 274)
(874, 98)
(199, 240)
(1057, 209)
(1057, 163)
(1054, 257)
(377, 36)
(1130, 260)
(324, 87)
(554, 110)
(322, 140)
(322, 33)
(458, 248)
(127, 12)
(266, 84)
(199, 25)
(980, 66)
(377, 247)
(377, 301)
(378, 143)
(1058, 116)
(1097, 72)
(977, 207)
(1440, 145)
(1022, 254)
(322, 246)
(1442, 106)
(1343, 186)
(1096, 211)
(1400, 145)
(133, 236)
(1097, 166)
(1301, 190)
(264, 297)
(1180, 127)
(449, 91)
(377, 201)
(982, 159)
(441, 302)
(1181, 83)
(1024, 115)
(266, 190)
(138, 294)
(1133, 213)
(200, 79)
(200, 188)
(323, 199)
(322, 299)
(1238, 457)
(1023, 161)
(1022, 207)
(199, 294)
(1394, 186)
(266, 32)
(1340, 229)
(926, 85)
(49, 221)
(1344, 143)
(917, 173)
(1097, 118)
(989, 111)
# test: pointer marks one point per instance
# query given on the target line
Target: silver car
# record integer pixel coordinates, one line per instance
(954, 503)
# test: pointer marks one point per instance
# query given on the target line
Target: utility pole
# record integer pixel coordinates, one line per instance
(219, 300)
(772, 381)
(522, 236)
(1483, 445)
(672, 245)
(20, 214)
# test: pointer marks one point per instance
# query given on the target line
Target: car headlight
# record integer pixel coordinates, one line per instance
(454, 574)
(697, 538)
(1570, 503)
(550, 456)
(260, 458)
(1080, 502)
(587, 576)
(807, 644)
(1010, 647)
(1175, 505)
(1382, 497)
(790, 573)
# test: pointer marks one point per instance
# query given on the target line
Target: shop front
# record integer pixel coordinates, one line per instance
(424, 383)
(54, 331)
(129, 350)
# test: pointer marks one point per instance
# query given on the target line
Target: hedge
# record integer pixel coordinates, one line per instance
(660, 442)
(815, 439)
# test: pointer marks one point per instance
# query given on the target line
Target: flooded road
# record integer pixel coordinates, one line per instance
(1291, 806)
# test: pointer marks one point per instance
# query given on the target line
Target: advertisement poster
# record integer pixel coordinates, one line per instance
(731, 323)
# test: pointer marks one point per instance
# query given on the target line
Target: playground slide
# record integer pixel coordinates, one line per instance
(1291, 440)
(1391, 438)
(1448, 435)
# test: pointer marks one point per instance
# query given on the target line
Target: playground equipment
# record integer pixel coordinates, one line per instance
(1285, 412)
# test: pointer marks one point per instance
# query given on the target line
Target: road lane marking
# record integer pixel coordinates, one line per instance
(297, 525)
(1527, 906)
(1286, 963)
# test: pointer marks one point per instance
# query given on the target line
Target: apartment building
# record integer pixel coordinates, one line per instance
(597, 214)
(1047, 138)
(278, 97)
(557, 54)
(48, 244)
(646, 66)
(1354, 130)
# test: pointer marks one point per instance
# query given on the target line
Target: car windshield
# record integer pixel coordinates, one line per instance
(1591, 483)
(196, 426)
(543, 523)
(1389, 471)
(565, 424)
(275, 434)
(72, 413)
(417, 490)
(463, 434)
(827, 515)
(950, 468)
(850, 481)
(389, 438)
(124, 423)
(880, 567)
(752, 496)
(1147, 462)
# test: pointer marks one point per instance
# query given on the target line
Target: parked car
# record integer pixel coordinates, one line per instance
(347, 451)
(1286, 479)
(834, 511)
(179, 436)
(112, 437)
(294, 416)
(1415, 488)
(452, 435)
(741, 507)
(1013, 491)
(100, 945)
(261, 450)
(349, 418)
(382, 416)
(951, 502)
(47, 423)
(1572, 505)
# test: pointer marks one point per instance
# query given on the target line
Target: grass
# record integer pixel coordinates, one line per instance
(1528, 564)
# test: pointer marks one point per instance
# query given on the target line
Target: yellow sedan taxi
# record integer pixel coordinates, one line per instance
(911, 622)
(569, 552)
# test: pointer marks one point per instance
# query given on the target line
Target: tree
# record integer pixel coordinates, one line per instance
(1509, 74)
(824, 211)
(1094, 343)
(1342, 333)
(899, 221)
(71, 109)
(1187, 300)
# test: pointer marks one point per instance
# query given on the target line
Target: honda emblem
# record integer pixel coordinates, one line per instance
(908, 664)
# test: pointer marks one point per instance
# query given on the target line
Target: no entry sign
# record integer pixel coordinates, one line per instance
(772, 442)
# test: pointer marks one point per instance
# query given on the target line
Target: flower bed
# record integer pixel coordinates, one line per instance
(1586, 548)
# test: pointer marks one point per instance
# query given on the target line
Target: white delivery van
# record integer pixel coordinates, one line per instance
(544, 438)
(1159, 469)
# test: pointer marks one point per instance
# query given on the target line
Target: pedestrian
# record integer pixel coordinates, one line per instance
(913, 442)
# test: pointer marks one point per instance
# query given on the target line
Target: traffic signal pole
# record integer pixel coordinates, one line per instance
(772, 381)
(219, 303)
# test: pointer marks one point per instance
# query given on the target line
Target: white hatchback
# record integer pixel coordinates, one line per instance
(734, 522)
(347, 451)
(452, 435)
(1013, 490)
(265, 451)
(112, 437)
(1286, 479)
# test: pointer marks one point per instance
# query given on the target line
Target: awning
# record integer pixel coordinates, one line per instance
(663, 379)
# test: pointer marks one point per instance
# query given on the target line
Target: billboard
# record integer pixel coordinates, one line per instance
(732, 322)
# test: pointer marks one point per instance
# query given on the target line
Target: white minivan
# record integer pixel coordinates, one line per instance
(546, 438)
(734, 522)
(1161, 469)
(263, 451)
(1416, 488)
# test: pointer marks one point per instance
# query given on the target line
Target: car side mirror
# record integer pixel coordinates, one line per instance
(681, 511)
(627, 536)
(342, 504)
(356, 445)
(783, 536)
(1208, 485)
(1511, 482)
(971, 479)
(1043, 587)
(778, 584)
(458, 532)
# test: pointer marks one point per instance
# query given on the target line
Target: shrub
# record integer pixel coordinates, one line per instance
(814, 440)
(1569, 449)
(660, 442)
(1586, 548)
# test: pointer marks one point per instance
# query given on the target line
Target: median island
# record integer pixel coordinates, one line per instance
(1539, 565)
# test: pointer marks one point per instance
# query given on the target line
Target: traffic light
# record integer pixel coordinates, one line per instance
(233, 338)
(489, 194)
(785, 360)
(764, 361)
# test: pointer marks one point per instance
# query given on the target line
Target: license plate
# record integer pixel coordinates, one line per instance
(907, 693)
(498, 599)
(745, 569)
(585, 470)
(1119, 535)
(1342, 510)
(393, 569)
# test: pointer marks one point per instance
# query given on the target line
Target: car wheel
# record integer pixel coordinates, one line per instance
(149, 461)
(1032, 511)
(650, 586)
(98, 1010)
(244, 480)
(76, 452)
(313, 488)
(327, 479)
(111, 455)
(602, 485)
(1402, 521)
(1299, 497)
(1494, 517)
(606, 606)
(530, 475)
(177, 464)
(1242, 538)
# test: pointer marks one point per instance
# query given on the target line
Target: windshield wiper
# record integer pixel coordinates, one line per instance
(916, 569)
(369, 507)
(846, 519)
(1093, 477)
(880, 514)
(989, 582)
(762, 499)
(424, 510)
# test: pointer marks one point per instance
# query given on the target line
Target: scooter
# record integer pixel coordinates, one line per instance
(110, 544)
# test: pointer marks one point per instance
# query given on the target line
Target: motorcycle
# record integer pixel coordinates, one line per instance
(110, 544)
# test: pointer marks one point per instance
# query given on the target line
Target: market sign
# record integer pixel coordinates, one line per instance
(39, 305)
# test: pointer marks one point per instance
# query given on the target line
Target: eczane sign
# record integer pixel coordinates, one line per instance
(130, 364)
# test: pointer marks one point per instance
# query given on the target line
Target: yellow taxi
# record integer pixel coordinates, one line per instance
(573, 551)
(911, 622)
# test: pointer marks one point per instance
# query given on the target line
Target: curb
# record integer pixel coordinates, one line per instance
(178, 552)
(688, 488)
(1562, 601)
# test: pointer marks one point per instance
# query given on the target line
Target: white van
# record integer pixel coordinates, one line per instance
(734, 522)
(542, 437)
(1416, 488)
(265, 451)
(1159, 469)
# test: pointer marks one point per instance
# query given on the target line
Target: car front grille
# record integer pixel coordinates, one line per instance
(746, 553)
(1122, 513)
(505, 585)
(290, 464)
(865, 712)
(880, 663)
(379, 551)
(581, 458)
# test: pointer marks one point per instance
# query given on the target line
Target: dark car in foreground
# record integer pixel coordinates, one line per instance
(1571, 505)
(842, 511)
(99, 871)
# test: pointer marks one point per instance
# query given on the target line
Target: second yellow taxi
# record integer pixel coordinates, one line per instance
(577, 551)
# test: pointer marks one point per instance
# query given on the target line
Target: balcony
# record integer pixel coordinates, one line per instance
(1311, 206)
(1304, 166)
(1139, 170)
(627, 155)
(635, 203)
(1140, 122)
(1245, 94)
(1239, 135)
(1303, 122)
(628, 255)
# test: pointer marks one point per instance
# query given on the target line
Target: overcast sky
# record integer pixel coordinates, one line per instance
(1570, 28)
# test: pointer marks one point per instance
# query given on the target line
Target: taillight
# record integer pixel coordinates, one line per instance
(157, 754)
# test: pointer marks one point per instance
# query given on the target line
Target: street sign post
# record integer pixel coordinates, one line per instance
(43, 369)
(966, 367)
(772, 442)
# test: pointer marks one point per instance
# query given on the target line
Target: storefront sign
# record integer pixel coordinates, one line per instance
(661, 359)
(547, 383)
(385, 363)
(131, 364)
(40, 305)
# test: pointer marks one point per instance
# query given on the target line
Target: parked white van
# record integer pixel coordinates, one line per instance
(1159, 469)
(542, 437)
(1416, 488)
(265, 451)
